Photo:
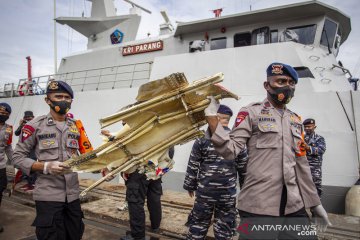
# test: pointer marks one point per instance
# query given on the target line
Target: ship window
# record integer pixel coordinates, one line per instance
(260, 36)
(218, 43)
(274, 36)
(242, 39)
(328, 33)
(302, 34)
(197, 46)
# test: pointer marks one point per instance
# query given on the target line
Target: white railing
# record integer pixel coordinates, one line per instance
(121, 76)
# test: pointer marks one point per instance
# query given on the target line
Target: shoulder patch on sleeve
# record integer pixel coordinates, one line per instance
(27, 131)
(241, 117)
(8, 135)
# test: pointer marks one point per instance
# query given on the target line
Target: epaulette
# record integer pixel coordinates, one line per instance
(37, 119)
(295, 114)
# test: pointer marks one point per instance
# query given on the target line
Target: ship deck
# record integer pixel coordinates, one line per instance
(104, 221)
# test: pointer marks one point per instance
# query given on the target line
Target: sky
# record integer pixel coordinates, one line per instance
(27, 28)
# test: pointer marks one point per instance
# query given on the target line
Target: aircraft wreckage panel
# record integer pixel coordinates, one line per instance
(168, 112)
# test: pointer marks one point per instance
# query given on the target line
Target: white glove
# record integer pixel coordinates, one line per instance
(56, 168)
(213, 107)
(321, 218)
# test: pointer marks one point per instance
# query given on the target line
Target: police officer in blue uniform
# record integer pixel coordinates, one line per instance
(315, 149)
(213, 179)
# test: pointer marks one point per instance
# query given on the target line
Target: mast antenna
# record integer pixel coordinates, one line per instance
(138, 6)
(167, 27)
(167, 19)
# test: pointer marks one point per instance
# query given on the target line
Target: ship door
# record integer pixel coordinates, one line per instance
(260, 36)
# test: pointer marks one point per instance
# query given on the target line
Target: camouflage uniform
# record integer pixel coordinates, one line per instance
(214, 180)
(315, 157)
(241, 163)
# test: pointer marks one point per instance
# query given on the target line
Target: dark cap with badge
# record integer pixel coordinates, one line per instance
(223, 109)
(278, 69)
(58, 87)
(309, 121)
(5, 107)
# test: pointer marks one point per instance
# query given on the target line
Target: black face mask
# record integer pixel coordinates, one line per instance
(281, 95)
(61, 107)
(3, 118)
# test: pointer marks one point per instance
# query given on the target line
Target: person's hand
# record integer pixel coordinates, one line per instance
(191, 193)
(213, 107)
(125, 176)
(302, 146)
(56, 168)
(321, 218)
(105, 172)
(22, 122)
(105, 132)
(306, 146)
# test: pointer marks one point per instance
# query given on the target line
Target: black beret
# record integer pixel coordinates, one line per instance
(225, 110)
(276, 69)
(59, 86)
(309, 121)
(28, 114)
(6, 107)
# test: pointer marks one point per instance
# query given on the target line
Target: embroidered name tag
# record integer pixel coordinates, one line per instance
(47, 136)
(266, 119)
